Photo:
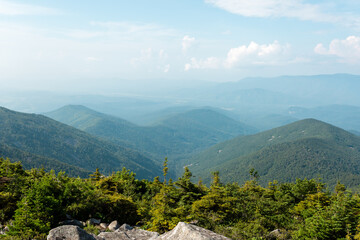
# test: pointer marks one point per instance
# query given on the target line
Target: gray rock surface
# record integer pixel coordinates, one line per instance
(184, 231)
(93, 221)
(125, 227)
(114, 225)
(72, 222)
(114, 236)
(134, 234)
(70, 232)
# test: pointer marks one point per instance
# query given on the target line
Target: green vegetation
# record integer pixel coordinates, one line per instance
(36, 201)
(307, 148)
(39, 141)
(176, 136)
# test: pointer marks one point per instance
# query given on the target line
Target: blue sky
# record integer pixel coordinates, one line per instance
(48, 43)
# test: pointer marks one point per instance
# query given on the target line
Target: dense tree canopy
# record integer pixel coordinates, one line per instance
(36, 201)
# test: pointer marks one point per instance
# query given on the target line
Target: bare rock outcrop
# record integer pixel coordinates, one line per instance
(184, 231)
(70, 232)
(126, 232)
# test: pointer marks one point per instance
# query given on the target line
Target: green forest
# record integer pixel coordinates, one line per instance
(34, 201)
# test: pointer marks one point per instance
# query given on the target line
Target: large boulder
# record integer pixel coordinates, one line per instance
(125, 232)
(184, 231)
(140, 234)
(114, 236)
(70, 232)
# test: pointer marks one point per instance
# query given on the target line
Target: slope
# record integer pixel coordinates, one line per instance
(175, 137)
(307, 148)
(40, 135)
(30, 160)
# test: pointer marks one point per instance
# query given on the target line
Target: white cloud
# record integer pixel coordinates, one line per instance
(11, 9)
(254, 53)
(187, 42)
(274, 8)
(208, 63)
(348, 50)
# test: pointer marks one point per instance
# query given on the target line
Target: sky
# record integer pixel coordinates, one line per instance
(58, 44)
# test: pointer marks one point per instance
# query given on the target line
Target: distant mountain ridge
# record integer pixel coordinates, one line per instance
(177, 135)
(344, 116)
(307, 148)
(45, 138)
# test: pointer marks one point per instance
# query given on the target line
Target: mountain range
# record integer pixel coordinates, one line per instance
(307, 148)
(176, 136)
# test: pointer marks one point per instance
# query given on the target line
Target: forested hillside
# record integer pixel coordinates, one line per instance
(41, 136)
(30, 160)
(175, 137)
(307, 148)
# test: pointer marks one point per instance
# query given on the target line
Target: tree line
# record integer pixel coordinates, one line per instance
(34, 201)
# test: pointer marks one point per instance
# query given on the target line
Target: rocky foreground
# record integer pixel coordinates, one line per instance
(182, 231)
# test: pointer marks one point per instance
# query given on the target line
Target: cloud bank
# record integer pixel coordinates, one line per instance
(246, 55)
(347, 50)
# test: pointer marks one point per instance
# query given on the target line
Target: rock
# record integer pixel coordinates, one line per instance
(72, 222)
(70, 232)
(125, 227)
(184, 231)
(4, 230)
(140, 234)
(278, 234)
(133, 234)
(114, 225)
(93, 221)
(114, 236)
(104, 225)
